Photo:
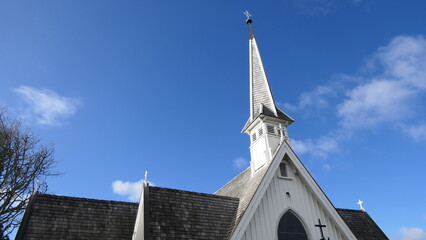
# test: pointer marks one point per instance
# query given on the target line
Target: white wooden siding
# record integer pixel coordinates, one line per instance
(264, 224)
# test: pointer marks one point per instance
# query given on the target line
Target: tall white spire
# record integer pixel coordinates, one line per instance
(267, 125)
(261, 99)
(260, 92)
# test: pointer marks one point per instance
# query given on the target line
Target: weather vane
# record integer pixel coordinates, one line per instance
(248, 15)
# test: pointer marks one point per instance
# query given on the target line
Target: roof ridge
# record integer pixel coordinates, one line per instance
(196, 193)
(82, 198)
(350, 210)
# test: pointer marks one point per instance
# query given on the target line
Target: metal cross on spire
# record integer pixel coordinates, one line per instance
(248, 15)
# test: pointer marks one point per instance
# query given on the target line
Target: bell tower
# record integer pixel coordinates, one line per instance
(267, 125)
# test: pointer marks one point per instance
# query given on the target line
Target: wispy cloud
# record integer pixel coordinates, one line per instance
(388, 98)
(315, 7)
(373, 103)
(411, 234)
(45, 106)
(130, 189)
(320, 147)
(327, 167)
(315, 100)
(322, 7)
(417, 132)
(239, 163)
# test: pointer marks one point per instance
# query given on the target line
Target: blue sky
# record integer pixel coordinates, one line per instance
(122, 87)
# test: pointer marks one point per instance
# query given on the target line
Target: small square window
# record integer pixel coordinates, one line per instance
(283, 170)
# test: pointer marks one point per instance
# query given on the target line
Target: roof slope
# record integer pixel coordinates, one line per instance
(243, 187)
(177, 214)
(58, 217)
(361, 225)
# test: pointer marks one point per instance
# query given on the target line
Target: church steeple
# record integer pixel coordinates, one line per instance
(267, 124)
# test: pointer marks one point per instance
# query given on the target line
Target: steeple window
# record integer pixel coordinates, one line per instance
(260, 131)
(253, 137)
(270, 129)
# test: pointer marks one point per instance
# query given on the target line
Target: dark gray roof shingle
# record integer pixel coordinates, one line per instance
(174, 214)
(242, 187)
(361, 225)
(177, 214)
(58, 217)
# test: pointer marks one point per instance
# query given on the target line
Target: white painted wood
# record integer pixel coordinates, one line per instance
(265, 146)
(306, 200)
(275, 203)
(138, 233)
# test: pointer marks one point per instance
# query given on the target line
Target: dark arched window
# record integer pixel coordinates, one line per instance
(290, 228)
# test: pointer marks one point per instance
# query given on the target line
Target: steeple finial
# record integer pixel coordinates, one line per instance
(248, 15)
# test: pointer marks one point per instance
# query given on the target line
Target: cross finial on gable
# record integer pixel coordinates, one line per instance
(360, 205)
(146, 177)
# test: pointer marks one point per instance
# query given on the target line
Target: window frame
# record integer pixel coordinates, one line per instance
(300, 223)
(285, 164)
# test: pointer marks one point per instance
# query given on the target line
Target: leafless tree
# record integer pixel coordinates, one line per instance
(24, 163)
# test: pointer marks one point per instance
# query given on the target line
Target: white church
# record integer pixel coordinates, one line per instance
(276, 198)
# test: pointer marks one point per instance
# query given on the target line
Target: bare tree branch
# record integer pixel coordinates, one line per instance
(23, 161)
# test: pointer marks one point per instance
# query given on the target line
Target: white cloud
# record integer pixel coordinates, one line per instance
(375, 102)
(390, 96)
(130, 189)
(316, 99)
(316, 7)
(411, 234)
(417, 132)
(327, 167)
(404, 59)
(46, 106)
(322, 7)
(320, 147)
(239, 163)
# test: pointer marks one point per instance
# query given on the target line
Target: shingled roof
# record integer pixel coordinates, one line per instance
(177, 214)
(242, 187)
(361, 225)
(174, 214)
(58, 217)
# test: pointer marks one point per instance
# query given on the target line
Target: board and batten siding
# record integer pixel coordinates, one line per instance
(275, 202)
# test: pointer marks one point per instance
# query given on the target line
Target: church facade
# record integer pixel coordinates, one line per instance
(276, 198)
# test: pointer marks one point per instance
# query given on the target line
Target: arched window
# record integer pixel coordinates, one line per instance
(290, 228)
